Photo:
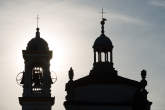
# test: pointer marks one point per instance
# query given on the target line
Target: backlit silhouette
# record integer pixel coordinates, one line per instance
(36, 78)
(103, 88)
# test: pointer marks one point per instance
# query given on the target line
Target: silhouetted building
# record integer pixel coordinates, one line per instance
(36, 79)
(103, 88)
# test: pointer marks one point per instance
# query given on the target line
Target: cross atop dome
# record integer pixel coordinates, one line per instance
(37, 29)
(37, 20)
(102, 13)
(102, 21)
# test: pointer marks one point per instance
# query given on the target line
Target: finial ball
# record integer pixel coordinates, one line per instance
(38, 29)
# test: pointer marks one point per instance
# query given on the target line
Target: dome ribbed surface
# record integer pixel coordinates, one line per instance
(37, 44)
(103, 43)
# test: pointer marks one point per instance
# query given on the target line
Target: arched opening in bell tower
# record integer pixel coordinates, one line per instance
(37, 79)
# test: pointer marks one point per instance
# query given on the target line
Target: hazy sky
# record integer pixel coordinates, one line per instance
(136, 28)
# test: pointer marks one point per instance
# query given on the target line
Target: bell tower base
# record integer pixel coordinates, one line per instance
(36, 103)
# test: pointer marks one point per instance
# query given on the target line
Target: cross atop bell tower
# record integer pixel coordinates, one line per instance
(37, 20)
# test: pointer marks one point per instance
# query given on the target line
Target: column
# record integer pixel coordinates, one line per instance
(99, 56)
(105, 56)
(94, 56)
(111, 57)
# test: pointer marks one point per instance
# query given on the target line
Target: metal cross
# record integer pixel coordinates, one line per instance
(37, 20)
(102, 13)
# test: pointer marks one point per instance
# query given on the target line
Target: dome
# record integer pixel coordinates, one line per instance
(103, 43)
(37, 43)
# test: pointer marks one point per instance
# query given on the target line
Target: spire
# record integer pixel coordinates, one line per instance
(102, 22)
(37, 29)
(37, 33)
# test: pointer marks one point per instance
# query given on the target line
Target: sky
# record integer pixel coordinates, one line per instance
(136, 28)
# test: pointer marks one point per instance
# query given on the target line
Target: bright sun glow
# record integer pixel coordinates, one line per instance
(60, 51)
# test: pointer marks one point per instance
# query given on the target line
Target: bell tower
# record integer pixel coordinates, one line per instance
(36, 79)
